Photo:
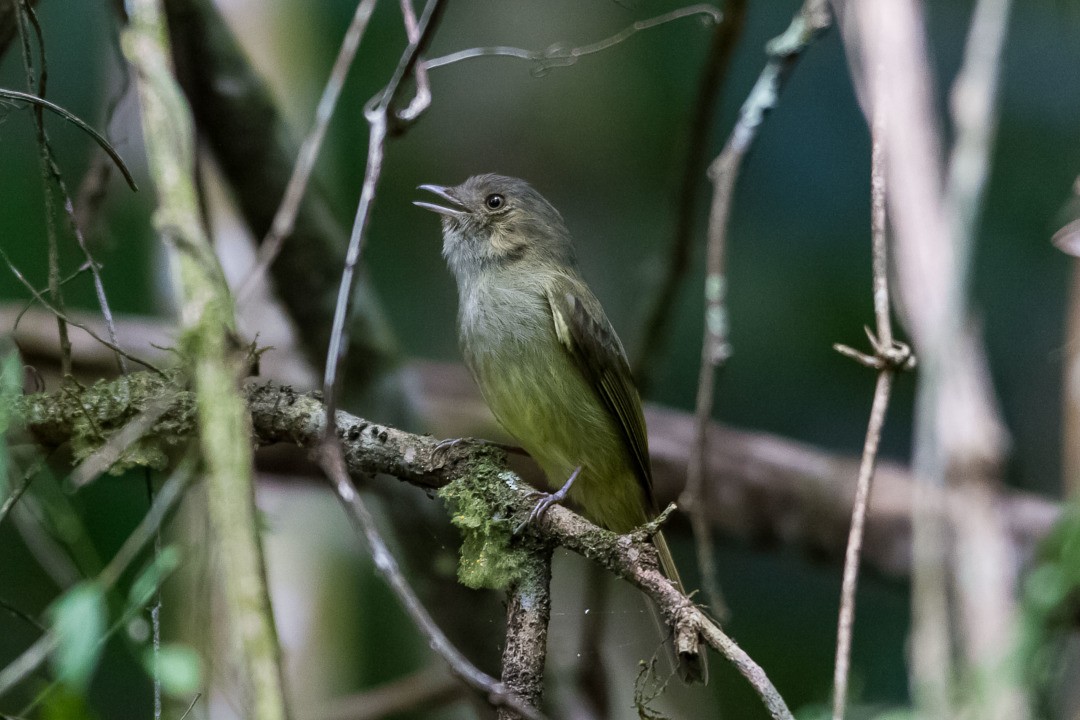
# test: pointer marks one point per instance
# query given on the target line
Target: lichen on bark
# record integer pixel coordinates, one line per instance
(484, 507)
(88, 416)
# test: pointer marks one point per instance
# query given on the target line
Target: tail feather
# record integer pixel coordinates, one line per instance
(692, 668)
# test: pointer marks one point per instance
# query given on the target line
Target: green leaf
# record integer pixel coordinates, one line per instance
(63, 703)
(179, 668)
(150, 579)
(78, 624)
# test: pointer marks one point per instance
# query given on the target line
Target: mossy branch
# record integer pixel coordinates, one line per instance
(474, 477)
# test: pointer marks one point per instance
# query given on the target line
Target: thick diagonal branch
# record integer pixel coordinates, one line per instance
(282, 415)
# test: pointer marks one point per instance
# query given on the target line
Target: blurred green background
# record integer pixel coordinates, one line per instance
(605, 140)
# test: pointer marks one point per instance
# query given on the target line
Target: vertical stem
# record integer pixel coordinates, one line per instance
(1070, 413)
(888, 363)
(55, 295)
(207, 315)
(332, 461)
(958, 434)
(528, 613)
(784, 51)
(878, 224)
(155, 610)
(855, 538)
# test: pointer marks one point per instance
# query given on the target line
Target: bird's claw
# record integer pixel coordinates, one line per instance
(445, 445)
(545, 501)
(439, 453)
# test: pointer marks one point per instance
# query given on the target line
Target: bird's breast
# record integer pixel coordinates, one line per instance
(538, 393)
(528, 378)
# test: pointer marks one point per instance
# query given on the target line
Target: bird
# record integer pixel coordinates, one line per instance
(545, 357)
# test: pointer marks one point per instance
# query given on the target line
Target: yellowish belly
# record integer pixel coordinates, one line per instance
(544, 401)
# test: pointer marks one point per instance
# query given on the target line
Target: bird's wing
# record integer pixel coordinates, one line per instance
(588, 337)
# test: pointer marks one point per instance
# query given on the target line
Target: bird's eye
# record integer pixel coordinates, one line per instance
(494, 201)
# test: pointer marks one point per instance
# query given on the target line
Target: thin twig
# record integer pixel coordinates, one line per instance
(155, 608)
(422, 99)
(30, 303)
(95, 272)
(27, 477)
(53, 173)
(846, 620)
(882, 342)
(784, 52)
(378, 114)
(118, 443)
(191, 706)
(67, 319)
(725, 37)
(559, 56)
(52, 245)
(77, 122)
(25, 617)
(495, 692)
(285, 218)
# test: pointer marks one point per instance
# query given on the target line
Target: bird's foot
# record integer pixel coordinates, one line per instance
(446, 445)
(440, 453)
(546, 500)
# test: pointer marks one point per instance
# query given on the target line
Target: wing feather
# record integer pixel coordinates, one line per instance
(590, 340)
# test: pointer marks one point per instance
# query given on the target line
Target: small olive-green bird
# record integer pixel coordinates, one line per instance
(545, 356)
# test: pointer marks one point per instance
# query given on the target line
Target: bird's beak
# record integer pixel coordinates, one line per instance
(456, 209)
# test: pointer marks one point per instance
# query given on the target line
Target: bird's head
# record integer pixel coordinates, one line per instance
(494, 221)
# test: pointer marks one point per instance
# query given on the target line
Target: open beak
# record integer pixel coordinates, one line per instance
(456, 209)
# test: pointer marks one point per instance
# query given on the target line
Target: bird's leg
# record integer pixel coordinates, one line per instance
(547, 500)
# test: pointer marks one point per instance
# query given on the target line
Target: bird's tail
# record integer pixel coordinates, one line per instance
(692, 668)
